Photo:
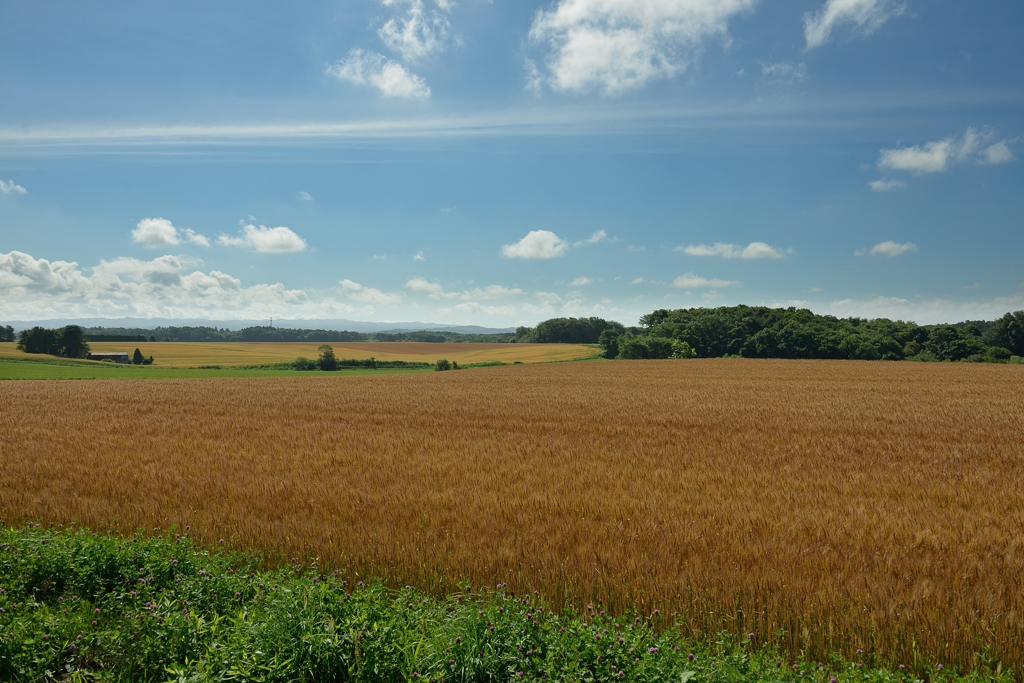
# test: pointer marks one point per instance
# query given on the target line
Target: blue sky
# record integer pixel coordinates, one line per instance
(499, 163)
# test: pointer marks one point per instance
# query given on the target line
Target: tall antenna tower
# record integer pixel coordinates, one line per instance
(271, 321)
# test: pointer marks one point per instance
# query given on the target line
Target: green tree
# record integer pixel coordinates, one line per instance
(71, 342)
(37, 340)
(6, 333)
(327, 360)
(443, 365)
(138, 357)
(1008, 332)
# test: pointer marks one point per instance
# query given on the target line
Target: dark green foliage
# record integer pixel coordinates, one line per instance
(67, 342)
(6, 333)
(137, 357)
(301, 363)
(443, 365)
(116, 337)
(568, 331)
(75, 605)
(760, 332)
(327, 361)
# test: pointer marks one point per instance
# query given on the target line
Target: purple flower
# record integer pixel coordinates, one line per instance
(691, 657)
(939, 667)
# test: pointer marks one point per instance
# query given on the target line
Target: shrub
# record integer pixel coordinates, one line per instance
(443, 365)
(302, 363)
(327, 361)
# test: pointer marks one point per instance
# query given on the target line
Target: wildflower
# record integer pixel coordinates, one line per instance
(691, 657)
(939, 667)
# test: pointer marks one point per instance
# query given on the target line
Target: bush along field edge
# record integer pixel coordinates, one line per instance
(77, 604)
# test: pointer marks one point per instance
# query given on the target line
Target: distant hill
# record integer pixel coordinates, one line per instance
(140, 325)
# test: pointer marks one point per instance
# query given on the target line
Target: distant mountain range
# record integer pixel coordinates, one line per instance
(340, 324)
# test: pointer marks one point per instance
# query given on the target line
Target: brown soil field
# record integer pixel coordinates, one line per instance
(194, 354)
(825, 506)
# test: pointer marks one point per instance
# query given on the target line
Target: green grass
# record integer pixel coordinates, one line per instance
(79, 605)
(64, 369)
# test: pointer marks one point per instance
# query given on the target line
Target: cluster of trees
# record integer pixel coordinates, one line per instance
(568, 331)
(67, 342)
(282, 334)
(6, 333)
(761, 332)
(139, 359)
(327, 360)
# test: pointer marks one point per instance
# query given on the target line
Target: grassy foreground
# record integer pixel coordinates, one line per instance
(77, 605)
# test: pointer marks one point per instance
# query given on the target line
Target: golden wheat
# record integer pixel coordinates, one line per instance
(826, 506)
(193, 354)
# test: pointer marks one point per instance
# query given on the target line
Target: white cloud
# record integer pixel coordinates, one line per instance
(888, 249)
(927, 311)
(154, 233)
(435, 291)
(369, 295)
(754, 250)
(33, 288)
(784, 72)
(636, 281)
(390, 78)
(617, 45)
(417, 33)
(932, 157)
(598, 236)
(580, 282)
(265, 240)
(9, 187)
(418, 256)
(305, 197)
(886, 185)
(691, 281)
(867, 15)
(538, 244)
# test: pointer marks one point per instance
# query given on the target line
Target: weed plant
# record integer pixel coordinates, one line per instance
(81, 605)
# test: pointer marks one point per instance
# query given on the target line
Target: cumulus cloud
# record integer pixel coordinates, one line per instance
(886, 185)
(417, 33)
(974, 146)
(265, 240)
(155, 233)
(538, 244)
(866, 16)
(754, 250)
(305, 197)
(580, 282)
(9, 187)
(166, 286)
(691, 281)
(373, 69)
(435, 291)
(617, 45)
(889, 249)
(418, 256)
(369, 295)
(598, 236)
(636, 281)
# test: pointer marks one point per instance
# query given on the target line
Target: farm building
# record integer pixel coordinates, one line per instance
(119, 357)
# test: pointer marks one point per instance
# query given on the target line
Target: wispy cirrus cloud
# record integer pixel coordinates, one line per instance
(691, 281)
(886, 185)
(435, 290)
(417, 33)
(390, 78)
(612, 46)
(865, 15)
(889, 249)
(754, 250)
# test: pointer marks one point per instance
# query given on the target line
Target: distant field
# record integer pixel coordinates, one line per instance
(827, 506)
(13, 368)
(193, 354)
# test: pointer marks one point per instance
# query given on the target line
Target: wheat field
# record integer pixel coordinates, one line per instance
(195, 354)
(824, 506)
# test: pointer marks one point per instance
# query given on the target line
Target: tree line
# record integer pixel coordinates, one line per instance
(762, 332)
